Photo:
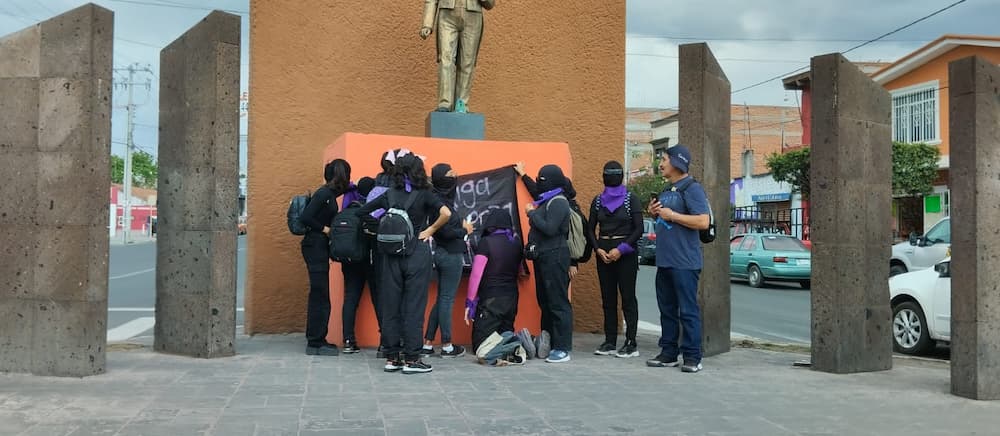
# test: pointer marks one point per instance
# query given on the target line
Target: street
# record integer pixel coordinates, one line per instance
(132, 289)
(777, 312)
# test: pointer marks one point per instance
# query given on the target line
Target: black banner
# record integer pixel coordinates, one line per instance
(485, 192)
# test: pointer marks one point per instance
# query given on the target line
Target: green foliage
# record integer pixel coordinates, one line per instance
(791, 168)
(646, 186)
(914, 169)
(144, 170)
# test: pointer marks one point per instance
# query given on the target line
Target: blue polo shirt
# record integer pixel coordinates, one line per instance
(677, 246)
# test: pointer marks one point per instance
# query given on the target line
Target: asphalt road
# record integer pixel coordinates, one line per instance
(132, 288)
(776, 312)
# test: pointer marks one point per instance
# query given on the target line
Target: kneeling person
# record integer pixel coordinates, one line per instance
(493, 293)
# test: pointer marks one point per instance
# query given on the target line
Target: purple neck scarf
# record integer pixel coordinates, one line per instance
(613, 197)
(507, 232)
(350, 196)
(409, 185)
(546, 196)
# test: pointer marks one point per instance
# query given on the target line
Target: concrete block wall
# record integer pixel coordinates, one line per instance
(55, 101)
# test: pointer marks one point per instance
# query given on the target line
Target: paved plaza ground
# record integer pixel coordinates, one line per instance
(272, 388)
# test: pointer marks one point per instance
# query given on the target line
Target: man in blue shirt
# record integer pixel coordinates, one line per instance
(680, 213)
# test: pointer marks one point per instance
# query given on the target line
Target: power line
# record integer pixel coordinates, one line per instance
(775, 61)
(699, 38)
(897, 30)
(179, 6)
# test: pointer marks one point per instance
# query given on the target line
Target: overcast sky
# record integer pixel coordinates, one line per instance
(754, 41)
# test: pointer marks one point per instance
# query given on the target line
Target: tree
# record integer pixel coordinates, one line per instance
(914, 168)
(792, 168)
(648, 185)
(144, 170)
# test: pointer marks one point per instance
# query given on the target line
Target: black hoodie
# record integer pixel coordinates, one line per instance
(451, 236)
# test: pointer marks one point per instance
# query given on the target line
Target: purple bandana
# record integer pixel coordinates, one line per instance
(409, 186)
(546, 196)
(507, 232)
(613, 197)
(350, 196)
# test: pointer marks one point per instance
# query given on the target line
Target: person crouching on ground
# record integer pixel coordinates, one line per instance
(491, 305)
(548, 248)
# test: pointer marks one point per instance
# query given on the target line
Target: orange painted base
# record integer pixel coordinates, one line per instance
(364, 153)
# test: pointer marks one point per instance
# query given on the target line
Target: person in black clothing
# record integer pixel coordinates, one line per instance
(549, 219)
(493, 292)
(405, 279)
(383, 181)
(615, 227)
(317, 216)
(570, 193)
(357, 274)
(449, 255)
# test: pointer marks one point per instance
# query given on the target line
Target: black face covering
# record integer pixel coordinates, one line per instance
(550, 177)
(614, 174)
(443, 184)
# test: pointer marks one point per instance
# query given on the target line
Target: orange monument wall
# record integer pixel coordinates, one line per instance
(465, 157)
(547, 72)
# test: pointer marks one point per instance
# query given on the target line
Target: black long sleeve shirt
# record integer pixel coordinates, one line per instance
(451, 236)
(321, 209)
(550, 224)
(617, 224)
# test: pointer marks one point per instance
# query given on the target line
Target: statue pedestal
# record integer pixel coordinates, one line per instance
(453, 125)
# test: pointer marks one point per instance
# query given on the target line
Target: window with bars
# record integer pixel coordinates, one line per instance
(915, 115)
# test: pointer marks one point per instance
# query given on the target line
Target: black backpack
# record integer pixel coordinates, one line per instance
(395, 236)
(707, 236)
(295, 209)
(348, 241)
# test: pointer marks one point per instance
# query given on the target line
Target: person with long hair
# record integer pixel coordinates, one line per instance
(449, 255)
(615, 227)
(406, 277)
(317, 216)
(492, 299)
(549, 249)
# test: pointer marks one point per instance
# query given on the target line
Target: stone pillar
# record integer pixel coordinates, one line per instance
(55, 105)
(974, 104)
(851, 191)
(704, 129)
(198, 190)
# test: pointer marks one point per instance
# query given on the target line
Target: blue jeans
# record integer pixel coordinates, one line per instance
(677, 296)
(449, 273)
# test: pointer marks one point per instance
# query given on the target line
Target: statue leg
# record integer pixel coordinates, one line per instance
(471, 36)
(448, 33)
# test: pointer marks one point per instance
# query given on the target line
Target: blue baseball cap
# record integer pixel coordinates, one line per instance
(680, 157)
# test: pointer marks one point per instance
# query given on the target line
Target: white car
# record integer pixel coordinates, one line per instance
(921, 252)
(921, 308)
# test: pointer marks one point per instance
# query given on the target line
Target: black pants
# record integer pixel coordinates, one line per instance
(316, 253)
(403, 296)
(495, 314)
(618, 277)
(356, 275)
(552, 289)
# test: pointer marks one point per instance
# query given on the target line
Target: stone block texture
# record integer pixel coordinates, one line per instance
(198, 190)
(704, 129)
(55, 105)
(388, 86)
(453, 125)
(851, 179)
(975, 192)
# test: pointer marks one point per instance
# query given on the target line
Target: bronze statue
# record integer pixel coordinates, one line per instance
(459, 30)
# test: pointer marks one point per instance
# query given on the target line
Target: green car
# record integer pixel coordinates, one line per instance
(759, 258)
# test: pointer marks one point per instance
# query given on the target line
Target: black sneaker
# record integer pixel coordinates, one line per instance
(351, 347)
(322, 350)
(691, 366)
(456, 351)
(393, 365)
(380, 353)
(606, 349)
(631, 349)
(663, 361)
(417, 367)
(426, 352)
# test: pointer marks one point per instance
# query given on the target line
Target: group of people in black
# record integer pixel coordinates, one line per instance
(398, 281)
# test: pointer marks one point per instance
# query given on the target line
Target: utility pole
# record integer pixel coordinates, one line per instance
(129, 142)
